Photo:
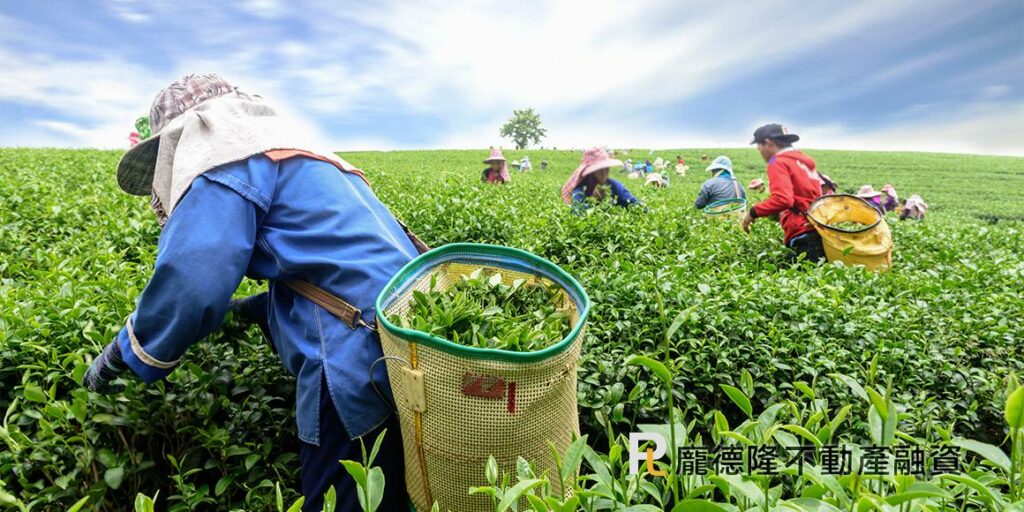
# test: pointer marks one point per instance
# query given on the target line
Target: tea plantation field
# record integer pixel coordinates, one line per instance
(755, 350)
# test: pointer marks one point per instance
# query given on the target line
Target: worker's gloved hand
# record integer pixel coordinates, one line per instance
(253, 309)
(105, 368)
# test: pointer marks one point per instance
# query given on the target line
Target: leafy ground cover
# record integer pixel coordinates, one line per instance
(750, 346)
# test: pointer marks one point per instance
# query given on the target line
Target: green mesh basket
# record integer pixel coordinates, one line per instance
(726, 208)
(459, 405)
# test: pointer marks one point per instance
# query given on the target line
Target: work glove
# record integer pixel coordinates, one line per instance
(105, 368)
(253, 309)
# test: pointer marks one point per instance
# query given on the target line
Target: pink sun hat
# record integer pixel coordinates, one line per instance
(594, 159)
(496, 156)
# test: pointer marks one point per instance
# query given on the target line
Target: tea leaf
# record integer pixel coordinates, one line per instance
(991, 453)
(1015, 408)
(659, 369)
(739, 399)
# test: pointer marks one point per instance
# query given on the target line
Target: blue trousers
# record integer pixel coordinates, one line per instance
(321, 469)
(320, 466)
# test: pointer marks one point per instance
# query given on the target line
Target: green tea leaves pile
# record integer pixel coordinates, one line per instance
(849, 225)
(479, 310)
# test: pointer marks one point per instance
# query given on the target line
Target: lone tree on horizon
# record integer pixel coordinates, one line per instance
(524, 128)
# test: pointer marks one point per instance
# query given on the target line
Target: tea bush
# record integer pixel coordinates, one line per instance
(942, 330)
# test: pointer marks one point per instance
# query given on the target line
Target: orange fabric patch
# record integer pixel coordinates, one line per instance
(277, 155)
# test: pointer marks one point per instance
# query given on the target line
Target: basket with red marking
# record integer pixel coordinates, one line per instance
(467, 388)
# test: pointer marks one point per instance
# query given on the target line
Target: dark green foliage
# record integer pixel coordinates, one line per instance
(943, 326)
(524, 128)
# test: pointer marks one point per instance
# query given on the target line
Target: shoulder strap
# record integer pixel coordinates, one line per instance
(345, 311)
(736, 187)
(416, 242)
(351, 315)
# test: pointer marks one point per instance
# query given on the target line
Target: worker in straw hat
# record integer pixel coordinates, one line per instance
(914, 208)
(525, 165)
(657, 180)
(793, 184)
(237, 196)
(721, 185)
(497, 168)
(884, 201)
(756, 185)
(590, 180)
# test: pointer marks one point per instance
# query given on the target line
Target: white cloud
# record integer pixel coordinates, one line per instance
(992, 92)
(129, 10)
(598, 71)
(983, 127)
(102, 98)
(269, 9)
(987, 128)
(557, 56)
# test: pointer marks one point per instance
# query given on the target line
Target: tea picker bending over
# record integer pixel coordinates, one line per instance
(236, 195)
(590, 179)
(525, 164)
(793, 184)
(681, 166)
(884, 201)
(914, 208)
(497, 170)
(722, 184)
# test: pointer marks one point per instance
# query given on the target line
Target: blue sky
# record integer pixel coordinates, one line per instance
(929, 75)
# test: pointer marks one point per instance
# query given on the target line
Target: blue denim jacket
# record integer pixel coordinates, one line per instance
(297, 219)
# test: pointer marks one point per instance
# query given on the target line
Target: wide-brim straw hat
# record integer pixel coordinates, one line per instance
(137, 165)
(867, 191)
(599, 160)
(496, 156)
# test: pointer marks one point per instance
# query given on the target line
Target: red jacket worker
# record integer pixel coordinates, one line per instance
(793, 184)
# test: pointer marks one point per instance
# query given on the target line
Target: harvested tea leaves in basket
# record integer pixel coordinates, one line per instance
(480, 310)
(849, 226)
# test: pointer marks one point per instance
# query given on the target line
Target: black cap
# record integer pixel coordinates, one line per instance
(774, 131)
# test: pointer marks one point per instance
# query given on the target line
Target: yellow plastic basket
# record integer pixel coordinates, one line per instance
(870, 246)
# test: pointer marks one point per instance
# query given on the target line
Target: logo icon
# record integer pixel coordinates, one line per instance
(649, 455)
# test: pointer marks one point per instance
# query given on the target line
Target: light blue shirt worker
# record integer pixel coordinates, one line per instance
(722, 185)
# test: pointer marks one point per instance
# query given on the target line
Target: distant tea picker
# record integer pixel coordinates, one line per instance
(914, 208)
(590, 180)
(721, 186)
(237, 195)
(497, 168)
